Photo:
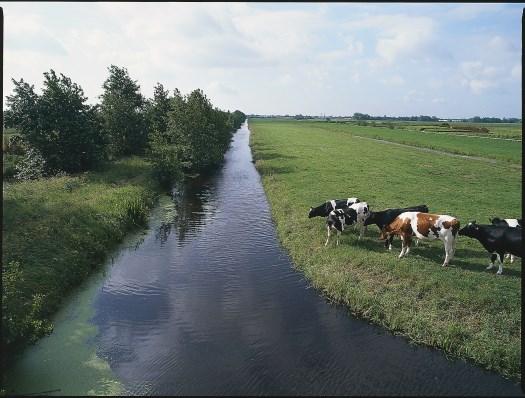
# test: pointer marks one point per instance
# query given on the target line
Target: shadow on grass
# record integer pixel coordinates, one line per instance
(265, 169)
(434, 254)
(267, 155)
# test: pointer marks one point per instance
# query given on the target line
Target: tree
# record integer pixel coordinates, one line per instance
(157, 109)
(58, 124)
(122, 112)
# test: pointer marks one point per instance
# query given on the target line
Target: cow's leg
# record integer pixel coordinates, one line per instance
(328, 238)
(405, 245)
(493, 257)
(408, 242)
(361, 231)
(512, 257)
(338, 234)
(389, 240)
(448, 250)
(417, 242)
(453, 247)
(500, 261)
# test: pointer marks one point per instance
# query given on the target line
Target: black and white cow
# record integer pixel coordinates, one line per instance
(360, 214)
(337, 220)
(497, 240)
(507, 222)
(325, 209)
(385, 217)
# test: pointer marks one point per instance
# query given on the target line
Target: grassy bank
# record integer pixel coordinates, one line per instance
(465, 310)
(56, 231)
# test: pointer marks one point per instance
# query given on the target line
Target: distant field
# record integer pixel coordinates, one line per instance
(503, 150)
(463, 309)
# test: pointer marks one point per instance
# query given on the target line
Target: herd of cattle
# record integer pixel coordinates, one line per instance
(500, 238)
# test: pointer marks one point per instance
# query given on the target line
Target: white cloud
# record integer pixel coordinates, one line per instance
(479, 77)
(397, 35)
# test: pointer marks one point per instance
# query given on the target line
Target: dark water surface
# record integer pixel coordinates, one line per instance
(209, 304)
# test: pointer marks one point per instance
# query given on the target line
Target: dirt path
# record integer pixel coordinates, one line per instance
(471, 136)
(493, 161)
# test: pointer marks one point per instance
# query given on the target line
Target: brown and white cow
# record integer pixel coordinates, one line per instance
(424, 226)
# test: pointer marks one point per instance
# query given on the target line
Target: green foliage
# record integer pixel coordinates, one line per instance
(157, 110)
(200, 132)
(238, 119)
(58, 124)
(56, 231)
(460, 308)
(122, 112)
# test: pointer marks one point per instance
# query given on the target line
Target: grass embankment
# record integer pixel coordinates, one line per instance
(463, 309)
(509, 151)
(56, 231)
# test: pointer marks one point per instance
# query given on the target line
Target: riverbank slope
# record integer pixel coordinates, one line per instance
(56, 231)
(463, 309)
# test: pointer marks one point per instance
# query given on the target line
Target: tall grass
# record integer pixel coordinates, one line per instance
(56, 231)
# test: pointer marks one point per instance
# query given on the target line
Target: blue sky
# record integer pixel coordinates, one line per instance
(447, 60)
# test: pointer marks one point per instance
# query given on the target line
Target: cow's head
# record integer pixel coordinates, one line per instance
(311, 213)
(471, 229)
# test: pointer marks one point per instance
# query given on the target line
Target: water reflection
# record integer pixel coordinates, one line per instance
(210, 305)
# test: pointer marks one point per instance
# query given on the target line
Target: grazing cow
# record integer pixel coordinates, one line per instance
(325, 209)
(359, 216)
(508, 222)
(337, 219)
(385, 217)
(497, 240)
(424, 226)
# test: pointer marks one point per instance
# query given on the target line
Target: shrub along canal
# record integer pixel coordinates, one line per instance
(207, 302)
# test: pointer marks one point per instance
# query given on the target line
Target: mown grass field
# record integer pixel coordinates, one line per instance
(55, 231)
(498, 149)
(465, 310)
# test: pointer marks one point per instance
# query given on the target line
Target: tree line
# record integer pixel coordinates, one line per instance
(425, 118)
(60, 132)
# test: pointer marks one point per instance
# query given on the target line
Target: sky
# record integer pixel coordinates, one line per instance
(449, 60)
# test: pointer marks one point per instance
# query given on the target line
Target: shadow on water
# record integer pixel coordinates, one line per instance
(210, 304)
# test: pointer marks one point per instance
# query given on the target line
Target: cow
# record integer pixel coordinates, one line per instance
(424, 226)
(385, 217)
(497, 240)
(325, 209)
(337, 219)
(507, 222)
(360, 214)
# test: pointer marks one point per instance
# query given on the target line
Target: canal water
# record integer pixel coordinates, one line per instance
(206, 302)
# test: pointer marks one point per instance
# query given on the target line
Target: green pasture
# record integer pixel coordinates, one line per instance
(497, 149)
(465, 310)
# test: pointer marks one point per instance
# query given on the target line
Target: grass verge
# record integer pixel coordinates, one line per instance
(464, 310)
(56, 231)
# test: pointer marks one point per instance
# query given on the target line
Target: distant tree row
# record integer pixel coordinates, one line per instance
(61, 132)
(424, 118)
